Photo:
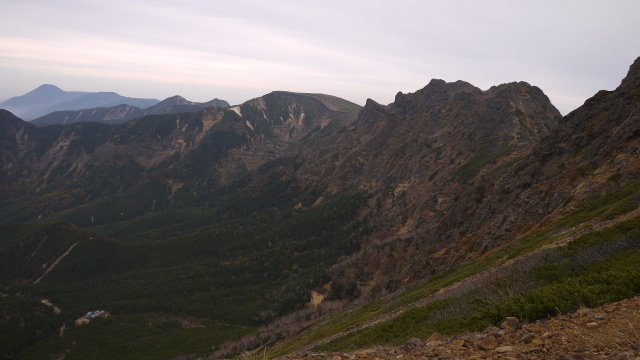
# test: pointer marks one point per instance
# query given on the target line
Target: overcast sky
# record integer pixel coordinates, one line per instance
(237, 50)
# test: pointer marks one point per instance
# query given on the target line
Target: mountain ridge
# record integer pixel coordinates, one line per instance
(51, 156)
(124, 112)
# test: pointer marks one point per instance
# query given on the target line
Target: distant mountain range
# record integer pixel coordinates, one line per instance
(49, 105)
(49, 98)
(125, 112)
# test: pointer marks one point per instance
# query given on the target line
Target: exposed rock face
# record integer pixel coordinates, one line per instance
(422, 158)
(438, 129)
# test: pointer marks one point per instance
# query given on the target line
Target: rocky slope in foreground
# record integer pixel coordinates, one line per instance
(607, 332)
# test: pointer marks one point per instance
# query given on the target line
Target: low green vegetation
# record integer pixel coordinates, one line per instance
(134, 337)
(597, 268)
(422, 321)
(24, 322)
(336, 324)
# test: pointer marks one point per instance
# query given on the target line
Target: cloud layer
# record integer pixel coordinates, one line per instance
(352, 49)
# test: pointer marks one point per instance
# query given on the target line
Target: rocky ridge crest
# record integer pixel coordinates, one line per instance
(423, 157)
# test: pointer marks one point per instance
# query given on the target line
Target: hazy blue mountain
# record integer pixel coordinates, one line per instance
(101, 99)
(36, 101)
(49, 98)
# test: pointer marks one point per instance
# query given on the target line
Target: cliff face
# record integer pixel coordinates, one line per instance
(593, 150)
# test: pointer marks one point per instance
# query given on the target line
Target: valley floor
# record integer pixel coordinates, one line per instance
(611, 331)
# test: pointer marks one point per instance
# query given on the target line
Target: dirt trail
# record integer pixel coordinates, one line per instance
(478, 280)
(55, 263)
(49, 303)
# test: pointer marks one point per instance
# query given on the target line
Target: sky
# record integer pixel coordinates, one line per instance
(238, 50)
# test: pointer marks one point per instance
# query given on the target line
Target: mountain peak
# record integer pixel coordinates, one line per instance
(436, 82)
(176, 100)
(372, 112)
(45, 89)
(632, 80)
(48, 98)
(433, 94)
(447, 89)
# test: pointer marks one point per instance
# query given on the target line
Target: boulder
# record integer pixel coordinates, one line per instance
(511, 323)
(488, 343)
